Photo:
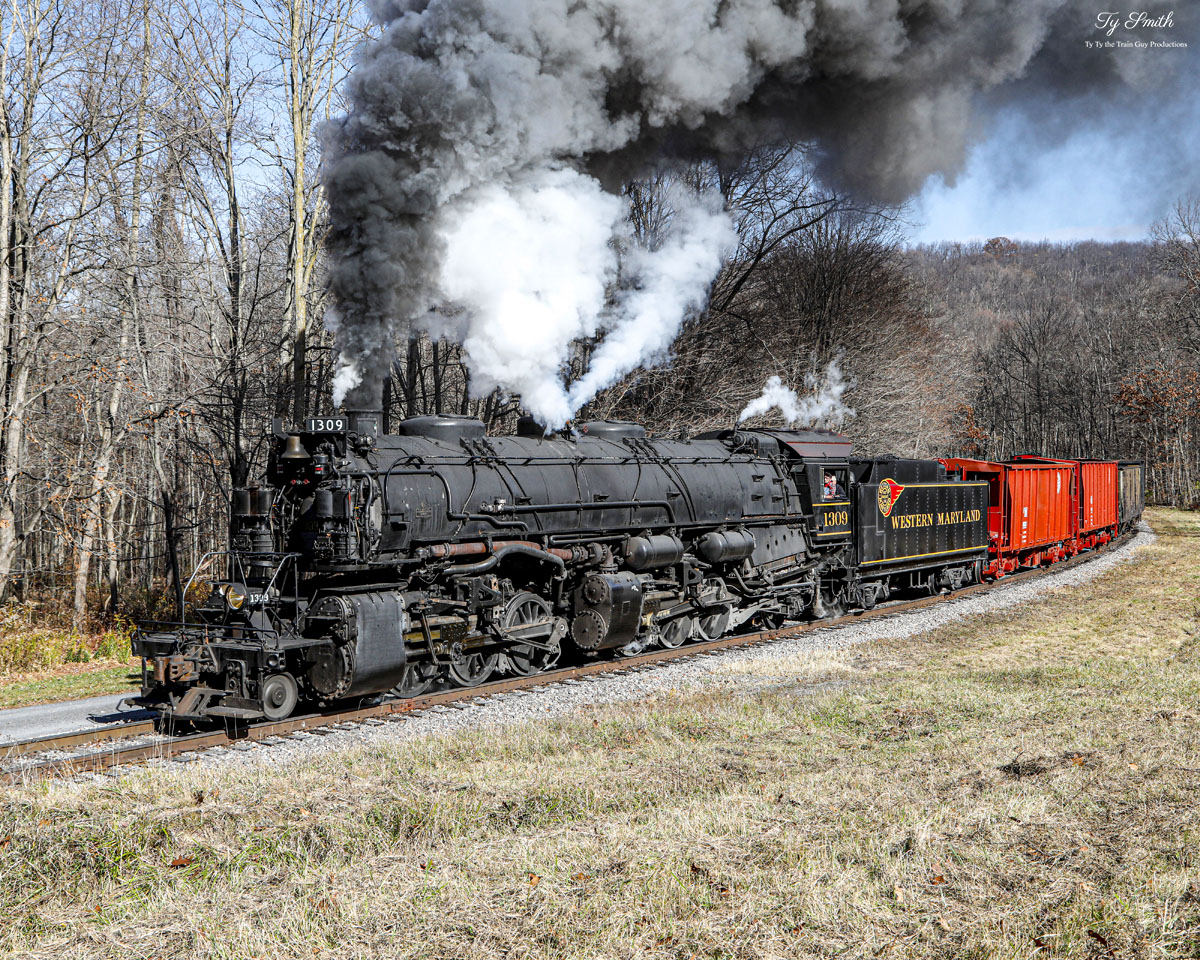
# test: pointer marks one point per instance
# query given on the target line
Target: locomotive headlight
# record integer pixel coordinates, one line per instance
(234, 597)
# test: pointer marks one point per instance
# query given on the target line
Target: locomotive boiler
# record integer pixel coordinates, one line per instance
(366, 562)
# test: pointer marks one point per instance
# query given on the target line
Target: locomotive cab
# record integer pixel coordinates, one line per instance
(829, 484)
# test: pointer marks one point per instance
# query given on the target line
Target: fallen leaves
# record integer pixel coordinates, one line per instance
(1098, 938)
(182, 862)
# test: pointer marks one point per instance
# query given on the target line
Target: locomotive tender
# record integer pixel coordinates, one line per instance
(368, 562)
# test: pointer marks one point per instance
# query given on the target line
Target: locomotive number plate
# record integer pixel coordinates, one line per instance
(326, 425)
(833, 519)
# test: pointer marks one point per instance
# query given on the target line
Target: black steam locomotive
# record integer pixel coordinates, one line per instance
(366, 563)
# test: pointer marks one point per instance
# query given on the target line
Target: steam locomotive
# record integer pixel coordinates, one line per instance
(366, 563)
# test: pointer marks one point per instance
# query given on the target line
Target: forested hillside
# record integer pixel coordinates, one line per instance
(163, 284)
(985, 349)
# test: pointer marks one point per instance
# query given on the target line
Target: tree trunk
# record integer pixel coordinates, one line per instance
(168, 509)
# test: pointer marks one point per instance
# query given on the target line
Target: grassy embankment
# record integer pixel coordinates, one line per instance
(43, 664)
(1021, 784)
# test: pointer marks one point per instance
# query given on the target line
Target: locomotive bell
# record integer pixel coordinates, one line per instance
(293, 450)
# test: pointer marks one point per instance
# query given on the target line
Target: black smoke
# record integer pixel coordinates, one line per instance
(461, 102)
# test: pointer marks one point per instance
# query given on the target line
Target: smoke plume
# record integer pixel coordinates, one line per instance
(474, 182)
(823, 406)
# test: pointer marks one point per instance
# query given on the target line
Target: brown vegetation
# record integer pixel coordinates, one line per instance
(1016, 785)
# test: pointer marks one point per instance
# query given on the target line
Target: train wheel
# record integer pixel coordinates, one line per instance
(474, 669)
(279, 696)
(675, 632)
(417, 678)
(525, 659)
(714, 624)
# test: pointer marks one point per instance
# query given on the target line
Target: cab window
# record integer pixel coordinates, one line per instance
(835, 484)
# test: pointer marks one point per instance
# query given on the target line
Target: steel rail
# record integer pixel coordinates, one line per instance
(97, 761)
(76, 738)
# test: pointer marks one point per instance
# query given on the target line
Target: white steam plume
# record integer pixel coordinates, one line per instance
(528, 267)
(669, 281)
(509, 118)
(528, 264)
(822, 407)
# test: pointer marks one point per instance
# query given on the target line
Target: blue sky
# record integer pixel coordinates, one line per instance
(1062, 178)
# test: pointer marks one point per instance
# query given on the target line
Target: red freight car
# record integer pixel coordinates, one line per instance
(1097, 501)
(1096, 485)
(1031, 511)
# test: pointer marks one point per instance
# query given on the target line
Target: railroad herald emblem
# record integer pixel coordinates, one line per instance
(889, 493)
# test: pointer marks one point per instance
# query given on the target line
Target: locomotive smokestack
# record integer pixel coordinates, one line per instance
(366, 421)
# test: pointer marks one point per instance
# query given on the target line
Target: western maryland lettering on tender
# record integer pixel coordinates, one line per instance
(907, 521)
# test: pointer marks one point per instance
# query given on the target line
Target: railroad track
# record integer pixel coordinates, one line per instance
(14, 768)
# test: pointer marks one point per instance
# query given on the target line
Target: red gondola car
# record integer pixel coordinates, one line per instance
(1097, 501)
(1031, 511)
(1095, 485)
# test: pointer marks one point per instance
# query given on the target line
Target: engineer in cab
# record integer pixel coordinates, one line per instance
(833, 489)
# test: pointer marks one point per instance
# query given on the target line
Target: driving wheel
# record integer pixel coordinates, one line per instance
(417, 678)
(675, 632)
(473, 669)
(526, 659)
(713, 623)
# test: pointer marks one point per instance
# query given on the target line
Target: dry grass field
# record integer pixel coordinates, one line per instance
(1024, 784)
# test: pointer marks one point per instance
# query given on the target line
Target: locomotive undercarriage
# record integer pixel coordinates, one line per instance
(446, 629)
(448, 624)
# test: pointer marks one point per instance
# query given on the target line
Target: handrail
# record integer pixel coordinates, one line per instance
(282, 560)
(581, 505)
